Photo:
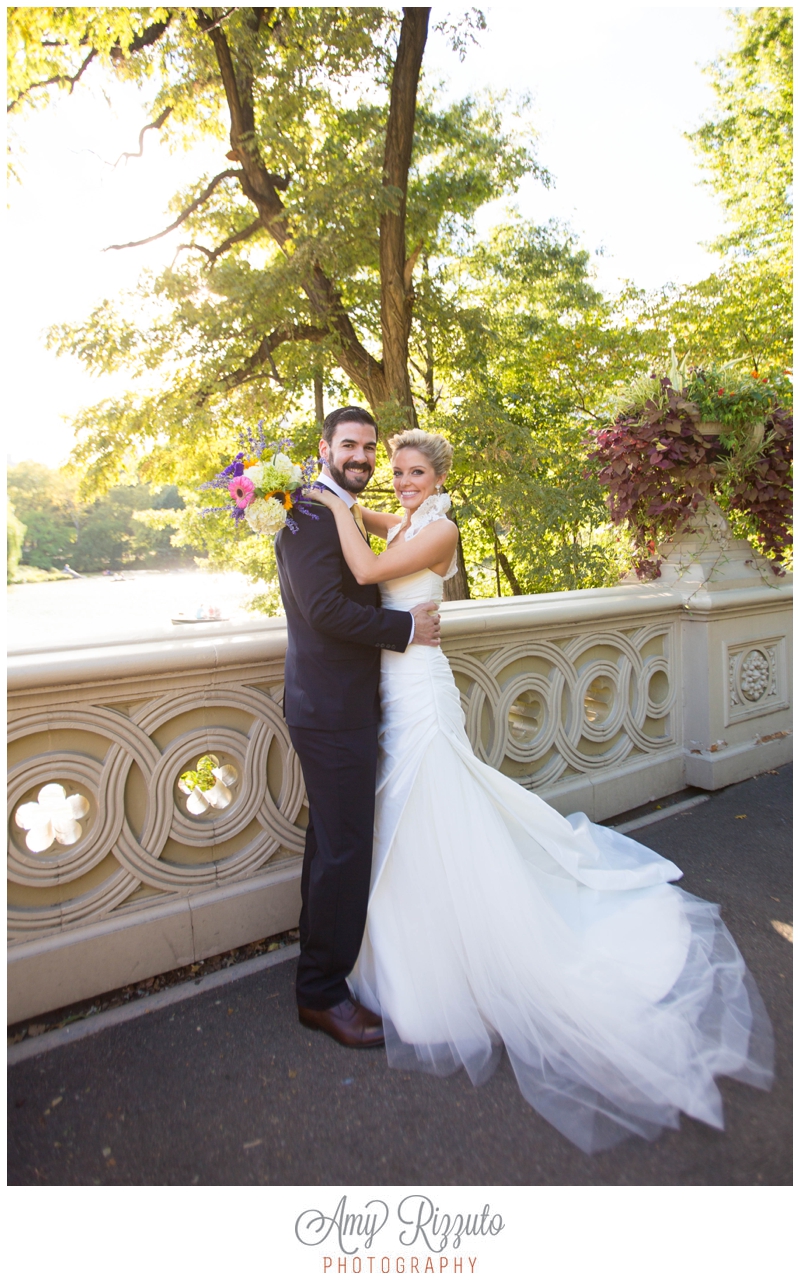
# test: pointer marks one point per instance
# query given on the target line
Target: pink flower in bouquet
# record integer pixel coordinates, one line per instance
(241, 490)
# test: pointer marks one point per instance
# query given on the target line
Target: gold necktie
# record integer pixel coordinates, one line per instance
(357, 517)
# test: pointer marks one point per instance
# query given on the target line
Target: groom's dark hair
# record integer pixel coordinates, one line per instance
(350, 414)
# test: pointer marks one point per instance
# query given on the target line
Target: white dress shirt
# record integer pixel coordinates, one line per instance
(330, 483)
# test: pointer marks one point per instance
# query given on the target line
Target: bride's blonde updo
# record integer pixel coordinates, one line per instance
(437, 450)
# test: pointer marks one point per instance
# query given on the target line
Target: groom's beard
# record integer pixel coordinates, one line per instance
(353, 476)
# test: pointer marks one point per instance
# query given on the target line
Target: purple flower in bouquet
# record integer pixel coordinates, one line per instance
(235, 468)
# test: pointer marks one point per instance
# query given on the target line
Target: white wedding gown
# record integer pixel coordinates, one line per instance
(494, 921)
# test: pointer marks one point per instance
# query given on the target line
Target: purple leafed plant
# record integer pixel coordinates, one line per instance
(659, 465)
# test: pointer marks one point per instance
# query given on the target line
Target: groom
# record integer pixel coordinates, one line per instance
(336, 632)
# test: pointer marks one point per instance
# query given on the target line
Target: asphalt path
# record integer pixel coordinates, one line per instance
(227, 1087)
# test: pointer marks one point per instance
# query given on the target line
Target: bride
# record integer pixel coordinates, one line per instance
(494, 921)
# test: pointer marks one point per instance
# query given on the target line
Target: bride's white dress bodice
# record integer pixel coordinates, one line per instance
(414, 589)
(494, 920)
(425, 585)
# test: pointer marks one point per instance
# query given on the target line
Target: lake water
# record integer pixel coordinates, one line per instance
(91, 610)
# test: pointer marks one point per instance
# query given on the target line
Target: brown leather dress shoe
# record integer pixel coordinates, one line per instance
(348, 1023)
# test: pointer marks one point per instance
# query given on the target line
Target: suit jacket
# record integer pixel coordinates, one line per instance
(337, 629)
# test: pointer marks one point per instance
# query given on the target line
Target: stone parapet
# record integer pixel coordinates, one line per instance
(599, 700)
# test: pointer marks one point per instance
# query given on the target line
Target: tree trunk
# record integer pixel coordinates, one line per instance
(509, 573)
(384, 383)
(319, 401)
(457, 587)
(396, 268)
(397, 292)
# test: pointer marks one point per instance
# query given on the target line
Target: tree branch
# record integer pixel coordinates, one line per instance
(408, 270)
(201, 199)
(155, 124)
(149, 36)
(200, 249)
(213, 254)
(284, 333)
(261, 188)
(209, 24)
(263, 355)
(258, 185)
(54, 80)
(235, 239)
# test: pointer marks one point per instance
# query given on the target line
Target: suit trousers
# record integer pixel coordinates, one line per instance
(339, 768)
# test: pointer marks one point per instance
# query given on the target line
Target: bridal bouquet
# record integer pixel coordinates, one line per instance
(264, 483)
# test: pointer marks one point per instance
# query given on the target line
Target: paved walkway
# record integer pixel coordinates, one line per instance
(227, 1088)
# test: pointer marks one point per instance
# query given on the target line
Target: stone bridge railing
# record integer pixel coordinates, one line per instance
(600, 700)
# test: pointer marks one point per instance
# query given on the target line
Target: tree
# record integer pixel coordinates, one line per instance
(517, 351)
(301, 253)
(101, 534)
(320, 106)
(744, 310)
(747, 147)
(15, 534)
(46, 502)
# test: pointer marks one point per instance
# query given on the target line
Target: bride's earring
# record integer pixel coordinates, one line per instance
(438, 489)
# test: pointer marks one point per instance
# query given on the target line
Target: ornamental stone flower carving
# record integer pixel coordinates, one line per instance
(754, 677)
(53, 816)
(209, 785)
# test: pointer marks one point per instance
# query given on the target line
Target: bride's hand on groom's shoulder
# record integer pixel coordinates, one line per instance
(321, 494)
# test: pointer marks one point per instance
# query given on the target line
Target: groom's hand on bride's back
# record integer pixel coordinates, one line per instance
(426, 623)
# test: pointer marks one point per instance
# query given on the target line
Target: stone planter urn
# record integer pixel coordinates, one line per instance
(703, 550)
(704, 553)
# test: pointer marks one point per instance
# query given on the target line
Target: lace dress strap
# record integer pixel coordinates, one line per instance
(434, 508)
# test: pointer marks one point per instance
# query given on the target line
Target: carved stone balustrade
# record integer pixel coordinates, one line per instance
(600, 700)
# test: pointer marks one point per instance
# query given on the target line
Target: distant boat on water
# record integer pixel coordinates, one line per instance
(203, 614)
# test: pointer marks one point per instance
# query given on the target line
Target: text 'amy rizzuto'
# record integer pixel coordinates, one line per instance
(417, 1221)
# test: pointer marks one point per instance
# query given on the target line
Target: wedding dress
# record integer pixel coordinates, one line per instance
(494, 921)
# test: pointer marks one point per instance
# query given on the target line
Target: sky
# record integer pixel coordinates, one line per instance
(614, 90)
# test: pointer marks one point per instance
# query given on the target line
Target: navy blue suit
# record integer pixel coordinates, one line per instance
(337, 629)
